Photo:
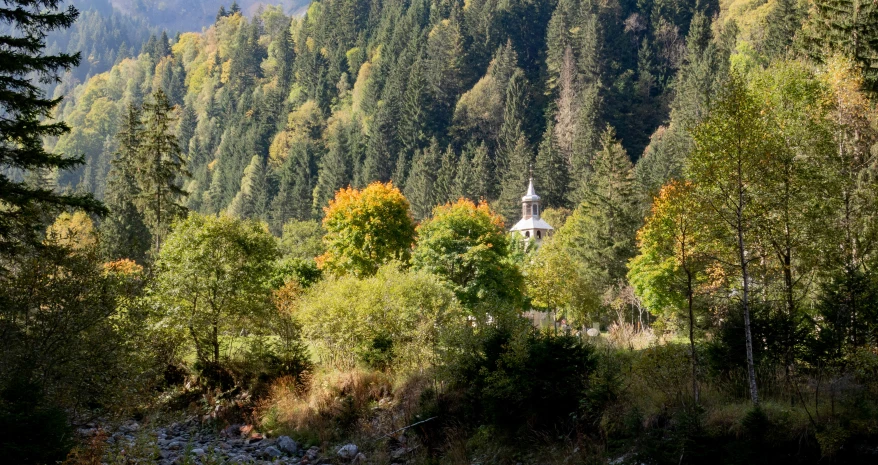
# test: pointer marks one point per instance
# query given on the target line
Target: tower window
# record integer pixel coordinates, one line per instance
(527, 234)
(535, 210)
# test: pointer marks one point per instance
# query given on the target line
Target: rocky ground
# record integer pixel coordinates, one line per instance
(189, 443)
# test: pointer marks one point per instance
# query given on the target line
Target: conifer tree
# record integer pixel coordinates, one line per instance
(420, 181)
(443, 188)
(160, 167)
(551, 173)
(464, 178)
(27, 118)
(849, 27)
(123, 232)
(484, 173)
(781, 26)
(250, 201)
(334, 174)
(514, 181)
(296, 185)
(600, 233)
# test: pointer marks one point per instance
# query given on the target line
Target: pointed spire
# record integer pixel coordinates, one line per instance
(531, 195)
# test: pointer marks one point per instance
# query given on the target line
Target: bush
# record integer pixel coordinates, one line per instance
(31, 431)
(390, 319)
(514, 376)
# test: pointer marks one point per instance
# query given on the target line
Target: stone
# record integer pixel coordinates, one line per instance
(199, 452)
(175, 445)
(593, 332)
(272, 452)
(360, 458)
(287, 445)
(348, 451)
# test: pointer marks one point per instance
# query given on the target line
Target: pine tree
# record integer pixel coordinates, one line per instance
(443, 188)
(123, 232)
(419, 184)
(234, 9)
(221, 13)
(849, 27)
(464, 179)
(551, 173)
(160, 167)
(601, 231)
(251, 199)
(27, 118)
(515, 179)
(781, 26)
(484, 173)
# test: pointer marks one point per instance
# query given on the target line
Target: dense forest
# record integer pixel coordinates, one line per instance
(297, 226)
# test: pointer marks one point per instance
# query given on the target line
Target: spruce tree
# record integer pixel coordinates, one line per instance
(334, 174)
(123, 232)
(849, 27)
(296, 186)
(27, 118)
(419, 184)
(443, 189)
(781, 25)
(251, 199)
(551, 174)
(483, 173)
(515, 180)
(160, 167)
(464, 178)
(602, 229)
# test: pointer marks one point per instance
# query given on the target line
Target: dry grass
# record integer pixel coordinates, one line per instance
(359, 405)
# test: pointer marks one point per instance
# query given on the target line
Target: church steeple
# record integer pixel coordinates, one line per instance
(531, 225)
(530, 203)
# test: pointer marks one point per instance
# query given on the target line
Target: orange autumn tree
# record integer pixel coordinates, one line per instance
(366, 229)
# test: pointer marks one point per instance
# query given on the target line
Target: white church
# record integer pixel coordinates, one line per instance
(531, 226)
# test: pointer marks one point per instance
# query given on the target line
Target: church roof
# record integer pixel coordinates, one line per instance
(531, 195)
(531, 223)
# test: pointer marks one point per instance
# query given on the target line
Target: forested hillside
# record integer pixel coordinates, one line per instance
(286, 239)
(284, 111)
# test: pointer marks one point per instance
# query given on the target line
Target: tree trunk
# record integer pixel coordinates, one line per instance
(689, 295)
(745, 304)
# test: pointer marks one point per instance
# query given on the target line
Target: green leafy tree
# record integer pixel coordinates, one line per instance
(466, 245)
(366, 229)
(211, 279)
(726, 168)
(302, 239)
(393, 319)
(670, 269)
(28, 120)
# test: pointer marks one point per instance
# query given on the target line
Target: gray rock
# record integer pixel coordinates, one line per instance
(175, 445)
(287, 445)
(272, 452)
(348, 451)
(199, 452)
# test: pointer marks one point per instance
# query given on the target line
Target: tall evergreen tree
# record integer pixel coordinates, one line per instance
(551, 173)
(484, 173)
(420, 181)
(123, 232)
(781, 26)
(443, 188)
(27, 117)
(160, 167)
(514, 181)
(849, 27)
(251, 200)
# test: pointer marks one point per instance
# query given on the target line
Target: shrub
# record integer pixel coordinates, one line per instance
(514, 376)
(392, 318)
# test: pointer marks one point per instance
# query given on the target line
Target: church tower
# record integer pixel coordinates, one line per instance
(531, 226)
